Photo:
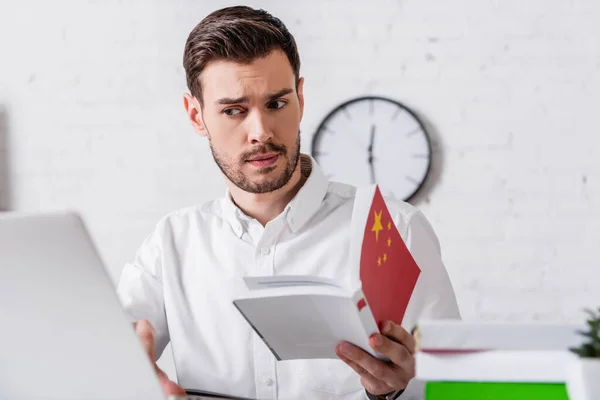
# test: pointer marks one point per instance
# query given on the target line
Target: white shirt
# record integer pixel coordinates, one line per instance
(188, 271)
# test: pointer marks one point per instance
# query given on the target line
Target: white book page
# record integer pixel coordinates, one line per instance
(488, 335)
(305, 326)
(494, 366)
(277, 286)
(270, 282)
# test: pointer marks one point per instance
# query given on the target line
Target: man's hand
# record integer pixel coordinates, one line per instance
(379, 377)
(145, 331)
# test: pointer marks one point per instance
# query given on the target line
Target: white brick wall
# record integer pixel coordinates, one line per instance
(92, 92)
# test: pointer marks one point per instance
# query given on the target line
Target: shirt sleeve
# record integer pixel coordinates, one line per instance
(434, 296)
(140, 289)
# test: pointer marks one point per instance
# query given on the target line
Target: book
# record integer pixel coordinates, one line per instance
(494, 366)
(451, 350)
(494, 391)
(306, 317)
(490, 360)
(444, 335)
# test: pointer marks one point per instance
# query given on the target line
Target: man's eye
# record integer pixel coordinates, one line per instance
(232, 111)
(277, 104)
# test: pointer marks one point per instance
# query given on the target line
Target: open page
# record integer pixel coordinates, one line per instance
(271, 282)
(307, 326)
(274, 286)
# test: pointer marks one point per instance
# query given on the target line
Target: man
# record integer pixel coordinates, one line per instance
(279, 216)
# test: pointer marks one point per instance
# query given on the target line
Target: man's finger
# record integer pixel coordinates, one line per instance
(369, 382)
(375, 386)
(144, 331)
(377, 368)
(357, 368)
(169, 387)
(396, 352)
(400, 335)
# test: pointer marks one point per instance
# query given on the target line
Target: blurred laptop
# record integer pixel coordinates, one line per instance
(63, 332)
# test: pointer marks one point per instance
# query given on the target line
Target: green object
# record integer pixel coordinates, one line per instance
(495, 391)
(591, 348)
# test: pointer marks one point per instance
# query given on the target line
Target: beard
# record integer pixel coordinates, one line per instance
(233, 168)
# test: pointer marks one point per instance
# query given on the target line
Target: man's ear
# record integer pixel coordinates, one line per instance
(192, 107)
(300, 91)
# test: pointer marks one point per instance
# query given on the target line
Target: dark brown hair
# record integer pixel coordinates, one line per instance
(240, 34)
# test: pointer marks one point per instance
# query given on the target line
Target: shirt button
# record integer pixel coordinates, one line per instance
(269, 382)
(265, 251)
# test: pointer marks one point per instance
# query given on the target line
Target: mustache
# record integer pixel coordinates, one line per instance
(263, 149)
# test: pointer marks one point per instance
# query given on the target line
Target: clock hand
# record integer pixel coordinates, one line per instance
(370, 152)
(370, 149)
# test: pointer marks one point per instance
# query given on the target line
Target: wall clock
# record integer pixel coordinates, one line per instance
(374, 139)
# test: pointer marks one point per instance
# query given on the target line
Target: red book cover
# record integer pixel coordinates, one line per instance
(388, 271)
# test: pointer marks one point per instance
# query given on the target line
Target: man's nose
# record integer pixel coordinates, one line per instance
(259, 130)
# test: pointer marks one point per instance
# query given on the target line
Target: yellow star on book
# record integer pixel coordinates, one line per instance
(379, 261)
(389, 242)
(384, 257)
(389, 226)
(377, 225)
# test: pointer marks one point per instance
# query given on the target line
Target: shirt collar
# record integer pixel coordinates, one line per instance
(299, 210)
(308, 200)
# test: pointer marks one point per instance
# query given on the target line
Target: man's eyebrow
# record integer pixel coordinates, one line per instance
(280, 93)
(229, 100)
(245, 99)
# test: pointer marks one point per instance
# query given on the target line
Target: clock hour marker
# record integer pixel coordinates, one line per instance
(398, 111)
(325, 128)
(371, 106)
(412, 132)
(413, 180)
(345, 111)
(420, 155)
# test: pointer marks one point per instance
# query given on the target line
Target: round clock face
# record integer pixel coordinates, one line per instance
(372, 140)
